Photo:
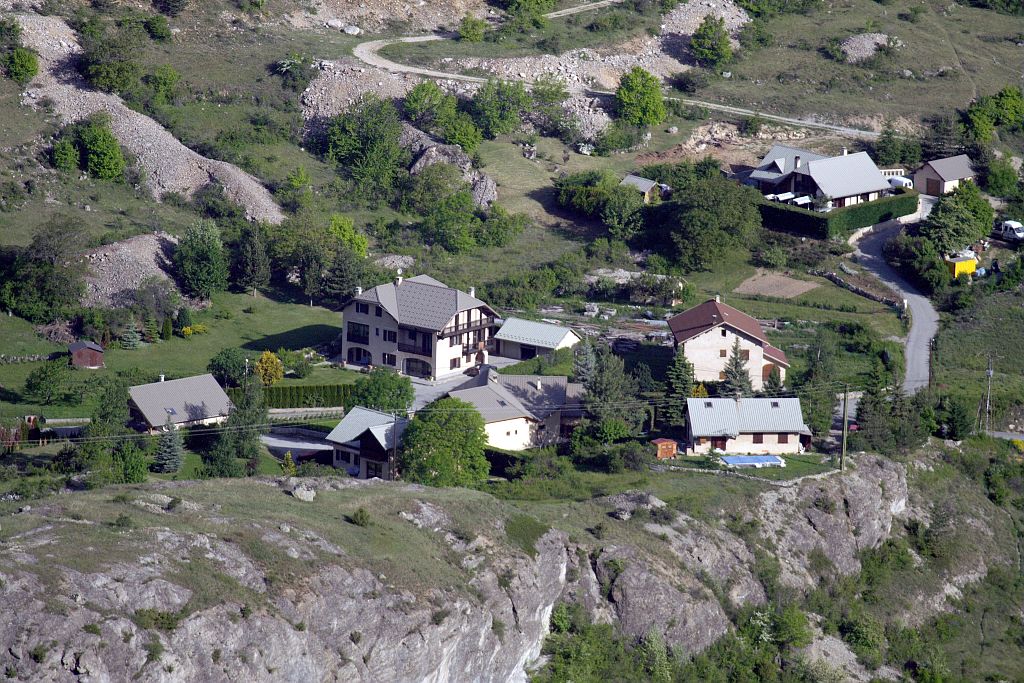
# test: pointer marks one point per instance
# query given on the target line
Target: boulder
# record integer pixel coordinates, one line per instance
(304, 494)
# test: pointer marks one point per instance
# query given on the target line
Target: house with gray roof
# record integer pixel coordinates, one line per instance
(188, 402)
(418, 326)
(793, 174)
(942, 176)
(522, 411)
(366, 440)
(650, 189)
(746, 426)
(525, 339)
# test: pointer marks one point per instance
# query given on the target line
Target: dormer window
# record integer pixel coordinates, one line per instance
(775, 404)
(724, 333)
(707, 404)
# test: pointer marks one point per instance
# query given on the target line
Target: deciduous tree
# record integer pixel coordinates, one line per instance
(202, 265)
(710, 42)
(269, 368)
(444, 445)
(638, 99)
(384, 390)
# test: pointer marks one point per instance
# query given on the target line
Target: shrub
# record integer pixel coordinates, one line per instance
(360, 517)
(171, 8)
(472, 29)
(524, 531)
(153, 618)
(157, 28)
(438, 617)
(839, 222)
(103, 156)
(93, 629)
(124, 521)
(21, 65)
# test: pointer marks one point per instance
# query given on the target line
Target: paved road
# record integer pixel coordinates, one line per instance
(924, 317)
(1009, 436)
(298, 445)
(368, 52)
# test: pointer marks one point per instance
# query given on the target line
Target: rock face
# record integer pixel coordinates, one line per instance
(263, 580)
(426, 151)
(166, 164)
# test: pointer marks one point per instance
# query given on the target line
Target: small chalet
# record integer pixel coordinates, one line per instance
(650, 189)
(365, 441)
(188, 402)
(748, 426)
(706, 334)
(522, 411)
(86, 354)
(525, 339)
(807, 179)
(942, 176)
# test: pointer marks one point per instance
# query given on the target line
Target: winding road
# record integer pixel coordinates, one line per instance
(924, 320)
(368, 52)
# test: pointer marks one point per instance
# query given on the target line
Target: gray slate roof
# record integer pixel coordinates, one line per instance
(729, 417)
(421, 302)
(544, 335)
(504, 397)
(639, 182)
(185, 400)
(381, 426)
(953, 168)
(845, 176)
(780, 162)
(84, 344)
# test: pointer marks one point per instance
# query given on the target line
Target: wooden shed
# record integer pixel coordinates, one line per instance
(86, 354)
(667, 448)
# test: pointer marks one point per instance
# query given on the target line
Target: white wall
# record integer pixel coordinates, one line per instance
(704, 352)
(511, 435)
(744, 445)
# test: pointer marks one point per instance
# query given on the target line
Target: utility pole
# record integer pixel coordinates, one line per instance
(988, 395)
(393, 455)
(846, 426)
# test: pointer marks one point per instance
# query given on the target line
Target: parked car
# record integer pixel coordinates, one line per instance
(1011, 231)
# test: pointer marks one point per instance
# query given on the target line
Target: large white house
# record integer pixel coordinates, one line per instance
(419, 326)
(706, 334)
(522, 411)
(745, 426)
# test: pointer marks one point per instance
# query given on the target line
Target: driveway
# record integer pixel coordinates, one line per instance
(924, 317)
(301, 447)
(428, 392)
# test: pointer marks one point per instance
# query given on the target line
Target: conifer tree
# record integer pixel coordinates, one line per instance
(737, 377)
(678, 387)
(168, 329)
(253, 262)
(169, 452)
(131, 339)
(774, 385)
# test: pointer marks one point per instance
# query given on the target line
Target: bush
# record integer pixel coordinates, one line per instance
(360, 517)
(472, 29)
(103, 156)
(524, 531)
(157, 28)
(838, 222)
(301, 396)
(65, 155)
(21, 65)
(171, 8)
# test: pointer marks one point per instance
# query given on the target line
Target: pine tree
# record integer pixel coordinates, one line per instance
(150, 330)
(253, 262)
(737, 376)
(184, 318)
(700, 391)
(130, 338)
(584, 361)
(678, 387)
(167, 331)
(169, 452)
(288, 467)
(774, 385)
(241, 439)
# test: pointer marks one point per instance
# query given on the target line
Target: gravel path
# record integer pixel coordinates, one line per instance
(167, 165)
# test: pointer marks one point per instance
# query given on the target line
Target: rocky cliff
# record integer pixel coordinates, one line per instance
(246, 580)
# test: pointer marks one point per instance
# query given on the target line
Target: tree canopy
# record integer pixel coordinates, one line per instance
(202, 264)
(710, 42)
(444, 445)
(638, 99)
(364, 142)
(959, 219)
(384, 390)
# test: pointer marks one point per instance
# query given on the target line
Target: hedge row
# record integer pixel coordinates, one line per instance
(839, 222)
(302, 395)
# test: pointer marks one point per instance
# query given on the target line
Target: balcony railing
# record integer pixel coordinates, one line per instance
(452, 330)
(355, 339)
(416, 349)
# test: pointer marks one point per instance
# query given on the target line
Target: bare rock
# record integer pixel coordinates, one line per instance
(304, 494)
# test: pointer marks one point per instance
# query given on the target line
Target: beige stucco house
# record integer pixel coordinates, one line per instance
(419, 326)
(525, 339)
(706, 334)
(746, 426)
(522, 411)
(942, 176)
(831, 182)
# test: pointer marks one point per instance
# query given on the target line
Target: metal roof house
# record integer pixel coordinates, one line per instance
(525, 339)
(365, 440)
(187, 402)
(522, 411)
(842, 180)
(419, 326)
(749, 426)
(942, 176)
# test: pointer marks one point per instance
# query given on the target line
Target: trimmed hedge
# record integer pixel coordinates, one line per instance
(840, 222)
(301, 395)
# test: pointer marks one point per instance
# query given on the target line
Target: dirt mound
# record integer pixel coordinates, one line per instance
(372, 15)
(116, 270)
(863, 46)
(342, 82)
(167, 165)
(685, 18)
(724, 142)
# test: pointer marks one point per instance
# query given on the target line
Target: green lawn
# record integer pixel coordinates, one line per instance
(269, 326)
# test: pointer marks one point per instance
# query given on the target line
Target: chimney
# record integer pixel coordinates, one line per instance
(398, 278)
(540, 384)
(472, 291)
(359, 290)
(161, 378)
(796, 161)
(718, 299)
(845, 151)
